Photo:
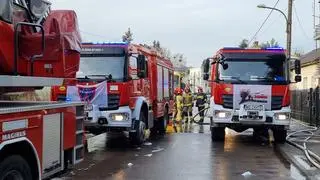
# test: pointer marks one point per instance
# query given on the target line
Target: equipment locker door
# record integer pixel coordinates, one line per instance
(52, 144)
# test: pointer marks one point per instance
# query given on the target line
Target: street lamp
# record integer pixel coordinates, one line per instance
(288, 30)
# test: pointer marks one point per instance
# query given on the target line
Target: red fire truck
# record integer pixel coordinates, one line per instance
(37, 139)
(249, 89)
(139, 88)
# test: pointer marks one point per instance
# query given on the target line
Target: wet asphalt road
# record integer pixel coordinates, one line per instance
(183, 156)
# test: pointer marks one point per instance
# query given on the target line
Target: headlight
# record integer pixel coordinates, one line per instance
(119, 117)
(222, 114)
(282, 116)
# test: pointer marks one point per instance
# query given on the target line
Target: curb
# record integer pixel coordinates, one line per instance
(289, 152)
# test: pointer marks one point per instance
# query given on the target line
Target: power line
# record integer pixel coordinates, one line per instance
(264, 22)
(271, 24)
(300, 24)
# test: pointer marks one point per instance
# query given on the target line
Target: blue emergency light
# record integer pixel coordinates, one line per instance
(275, 49)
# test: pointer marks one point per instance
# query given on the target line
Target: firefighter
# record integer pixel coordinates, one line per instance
(200, 103)
(187, 104)
(178, 107)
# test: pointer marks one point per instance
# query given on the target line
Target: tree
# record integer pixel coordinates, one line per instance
(127, 37)
(162, 50)
(244, 43)
(271, 43)
(256, 44)
(178, 60)
(156, 44)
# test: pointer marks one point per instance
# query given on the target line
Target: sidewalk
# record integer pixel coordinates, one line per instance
(297, 156)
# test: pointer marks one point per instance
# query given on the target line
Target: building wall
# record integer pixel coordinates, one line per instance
(310, 77)
(195, 79)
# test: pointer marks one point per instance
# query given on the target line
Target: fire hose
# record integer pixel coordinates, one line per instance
(313, 158)
(197, 114)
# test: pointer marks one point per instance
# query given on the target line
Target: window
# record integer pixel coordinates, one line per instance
(160, 83)
(314, 82)
(305, 83)
(147, 68)
(270, 71)
(102, 66)
(165, 83)
(133, 67)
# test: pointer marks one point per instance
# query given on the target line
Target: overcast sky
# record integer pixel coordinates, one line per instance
(196, 28)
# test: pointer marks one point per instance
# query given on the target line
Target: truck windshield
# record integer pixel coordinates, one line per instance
(102, 66)
(253, 71)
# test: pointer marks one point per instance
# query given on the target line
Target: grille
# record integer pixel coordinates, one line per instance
(276, 102)
(227, 101)
(113, 101)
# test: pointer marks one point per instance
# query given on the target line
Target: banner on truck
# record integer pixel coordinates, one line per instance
(92, 94)
(252, 94)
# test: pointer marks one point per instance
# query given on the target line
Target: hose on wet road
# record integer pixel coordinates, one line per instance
(198, 114)
(312, 157)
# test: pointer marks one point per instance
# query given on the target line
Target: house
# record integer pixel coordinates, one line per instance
(310, 70)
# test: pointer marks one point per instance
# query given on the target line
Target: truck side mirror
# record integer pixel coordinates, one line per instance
(6, 10)
(298, 78)
(141, 60)
(225, 66)
(38, 7)
(205, 76)
(297, 67)
(206, 65)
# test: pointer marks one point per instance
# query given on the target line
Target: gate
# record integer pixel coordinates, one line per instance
(305, 105)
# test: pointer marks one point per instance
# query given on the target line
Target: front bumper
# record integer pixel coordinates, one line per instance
(103, 119)
(233, 117)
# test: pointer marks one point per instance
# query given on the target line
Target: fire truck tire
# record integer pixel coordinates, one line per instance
(15, 167)
(164, 122)
(217, 133)
(138, 137)
(280, 135)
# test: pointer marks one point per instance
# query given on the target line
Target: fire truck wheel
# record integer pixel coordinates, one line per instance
(280, 135)
(138, 137)
(163, 122)
(217, 133)
(16, 168)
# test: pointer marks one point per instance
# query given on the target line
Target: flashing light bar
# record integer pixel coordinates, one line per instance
(270, 48)
(106, 43)
(275, 48)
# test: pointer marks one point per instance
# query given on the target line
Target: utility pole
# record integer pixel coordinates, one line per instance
(289, 28)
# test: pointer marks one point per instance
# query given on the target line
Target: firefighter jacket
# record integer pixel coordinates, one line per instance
(187, 99)
(201, 99)
(179, 102)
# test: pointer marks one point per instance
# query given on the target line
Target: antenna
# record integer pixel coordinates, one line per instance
(314, 21)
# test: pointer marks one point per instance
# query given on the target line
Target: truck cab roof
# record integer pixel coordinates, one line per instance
(241, 53)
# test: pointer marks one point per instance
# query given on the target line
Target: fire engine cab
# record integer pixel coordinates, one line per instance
(38, 139)
(249, 89)
(138, 92)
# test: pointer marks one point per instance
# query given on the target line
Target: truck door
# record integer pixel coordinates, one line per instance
(145, 82)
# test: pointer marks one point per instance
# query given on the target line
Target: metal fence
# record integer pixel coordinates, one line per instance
(305, 105)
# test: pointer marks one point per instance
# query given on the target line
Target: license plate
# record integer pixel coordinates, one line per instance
(252, 107)
(88, 107)
(253, 113)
